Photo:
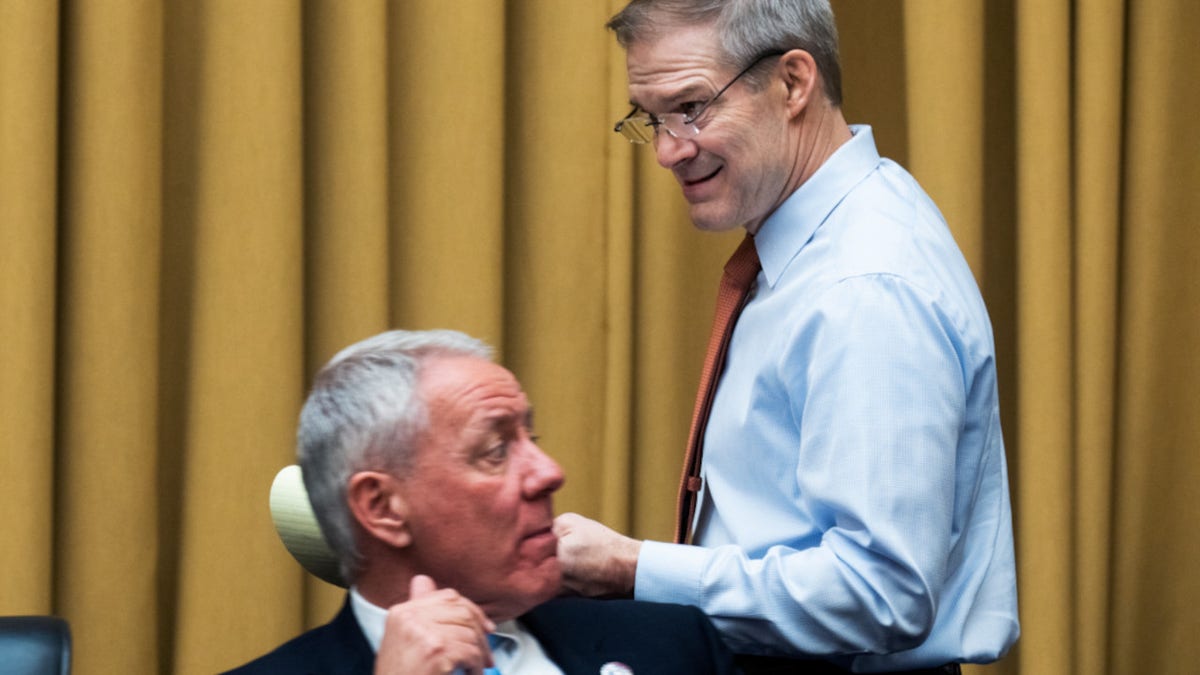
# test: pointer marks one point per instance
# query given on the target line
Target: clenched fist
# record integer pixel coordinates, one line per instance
(595, 560)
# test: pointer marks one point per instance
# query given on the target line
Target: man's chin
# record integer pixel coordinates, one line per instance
(549, 582)
(536, 586)
(708, 218)
(713, 225)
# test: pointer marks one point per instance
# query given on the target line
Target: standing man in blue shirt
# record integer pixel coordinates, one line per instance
(852, 508)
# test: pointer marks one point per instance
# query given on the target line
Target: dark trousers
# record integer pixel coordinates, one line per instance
(769, 665)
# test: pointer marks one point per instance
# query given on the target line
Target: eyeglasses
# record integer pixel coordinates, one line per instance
(640, 126)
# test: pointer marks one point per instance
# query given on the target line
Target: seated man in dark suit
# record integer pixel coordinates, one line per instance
(419, 459)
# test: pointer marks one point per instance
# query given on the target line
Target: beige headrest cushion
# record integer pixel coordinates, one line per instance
(297, 526)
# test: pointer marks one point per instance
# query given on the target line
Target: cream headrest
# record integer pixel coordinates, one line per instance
(297, 526)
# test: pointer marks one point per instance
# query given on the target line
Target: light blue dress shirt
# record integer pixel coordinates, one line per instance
(855, 497)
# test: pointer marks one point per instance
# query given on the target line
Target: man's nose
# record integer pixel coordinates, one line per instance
(670, 151)
(543, 475)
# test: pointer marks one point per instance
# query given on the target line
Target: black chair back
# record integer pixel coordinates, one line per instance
(35, 645)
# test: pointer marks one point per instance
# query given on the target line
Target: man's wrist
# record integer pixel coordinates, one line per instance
(628, 561)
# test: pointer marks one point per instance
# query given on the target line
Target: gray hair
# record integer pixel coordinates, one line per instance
(747, 29)
(364, 412)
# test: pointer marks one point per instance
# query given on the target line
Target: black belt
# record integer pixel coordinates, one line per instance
(771, 665)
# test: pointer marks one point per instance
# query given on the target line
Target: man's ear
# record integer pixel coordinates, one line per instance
(802, 79)
(379, 506)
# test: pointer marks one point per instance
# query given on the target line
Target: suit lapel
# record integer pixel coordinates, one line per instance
(573, 650)
(577, 638)
(347, 651)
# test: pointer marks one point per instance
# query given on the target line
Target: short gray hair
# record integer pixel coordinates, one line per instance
(747, 29)
(364, 412)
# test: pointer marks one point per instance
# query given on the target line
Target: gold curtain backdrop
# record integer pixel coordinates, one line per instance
(202, 200)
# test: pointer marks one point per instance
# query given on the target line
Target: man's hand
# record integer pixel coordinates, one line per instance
(595, 560)
(433, 633)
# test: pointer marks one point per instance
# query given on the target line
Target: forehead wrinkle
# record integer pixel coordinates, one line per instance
(664, 94)
(463, 399)
(496, 419)
(500, 410)
(673, 64)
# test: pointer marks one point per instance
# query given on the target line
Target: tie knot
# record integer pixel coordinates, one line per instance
(743, 265)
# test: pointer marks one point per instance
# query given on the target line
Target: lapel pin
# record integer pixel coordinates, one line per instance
(615, 668)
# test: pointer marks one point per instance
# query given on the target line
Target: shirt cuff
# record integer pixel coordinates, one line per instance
(670, 572)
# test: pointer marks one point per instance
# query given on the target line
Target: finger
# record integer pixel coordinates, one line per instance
(445, 606)
(421, 585)
(444, 647)
(489, 659)
(471, 657)
(468, 613)
(562, 524)
(481, 618)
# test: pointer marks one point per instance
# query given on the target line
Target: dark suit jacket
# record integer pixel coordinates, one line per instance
(579, 635)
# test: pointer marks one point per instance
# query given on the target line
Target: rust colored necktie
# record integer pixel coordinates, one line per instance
(739, 275)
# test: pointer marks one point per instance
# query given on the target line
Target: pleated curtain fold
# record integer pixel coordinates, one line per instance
(202, 200)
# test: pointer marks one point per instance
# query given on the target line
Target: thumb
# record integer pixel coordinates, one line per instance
(420, 585)
(562, 524)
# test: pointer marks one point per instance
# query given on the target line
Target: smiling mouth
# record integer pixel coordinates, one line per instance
(690, 183)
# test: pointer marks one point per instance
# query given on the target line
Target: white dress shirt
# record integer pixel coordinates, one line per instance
(519, 653)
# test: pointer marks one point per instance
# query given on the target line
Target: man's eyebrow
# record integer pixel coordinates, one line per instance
(499, 420)
(688, 92)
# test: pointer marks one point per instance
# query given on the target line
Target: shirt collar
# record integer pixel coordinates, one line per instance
(372, 619)
(792, 225)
